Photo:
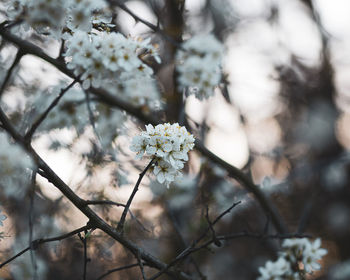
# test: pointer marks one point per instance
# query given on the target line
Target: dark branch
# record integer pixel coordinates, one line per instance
(141, 266)
(17, 59)
(30, 218)
(118, 269)
(103, 202)
(34, 244)
(94, 219)
(83, 239)
(189, 249)
(217, 241)
(244, 234)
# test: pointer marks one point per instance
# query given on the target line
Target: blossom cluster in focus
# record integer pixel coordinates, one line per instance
(295, 252)
(198, 65)
(169, 144)
(112, 60)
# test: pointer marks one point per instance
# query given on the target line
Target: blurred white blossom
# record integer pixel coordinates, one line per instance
(51, 17)
(277, 270)
(14, 168)
(169, 144)
(198, 65)
(340, 271)
(113, 61)
(304, 250)
(295, 251)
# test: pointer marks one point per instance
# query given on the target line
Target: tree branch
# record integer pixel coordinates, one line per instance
(17, 59)
(244, 234)
(83, 239)
(112, 100)
(120, 226)
(34, 244)
(95, 220)
(30, 218)
(118, 269)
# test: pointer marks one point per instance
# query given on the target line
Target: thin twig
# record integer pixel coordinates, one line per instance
(120, 226)
(217, 219)
(138, 256)
(189, 249)
(83, 239)
(17, 59)
(216, 241)
(43, 116)
(184, 245)
(109, 202)
(31, 216)
(118, 269)
(104, 202)
(244, 234)
(34, 245)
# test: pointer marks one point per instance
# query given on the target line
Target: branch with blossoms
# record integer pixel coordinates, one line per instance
(112, 67)
(113, 100)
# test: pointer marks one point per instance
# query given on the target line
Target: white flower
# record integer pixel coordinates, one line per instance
(164, 172)
(112, 60)
(295, 250)
(304, 250)
(275, 270)
(139, 145)
(198, 66)
(169, 144)
(312, 253)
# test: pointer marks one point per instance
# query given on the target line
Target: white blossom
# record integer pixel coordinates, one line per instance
(295, 251)
(50, 17)
(169, 144)
(198, 65)
(14, 167)
(112, 61)
(308, 252)
(275, 270)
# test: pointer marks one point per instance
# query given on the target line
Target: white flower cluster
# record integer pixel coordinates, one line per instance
(14, 164)
(169, 144)
(198, 66)
(50, 17)
(113, 60)
(296, 252)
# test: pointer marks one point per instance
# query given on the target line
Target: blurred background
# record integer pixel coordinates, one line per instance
(281, 115)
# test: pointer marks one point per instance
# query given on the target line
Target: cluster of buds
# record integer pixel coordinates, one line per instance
(169, 145)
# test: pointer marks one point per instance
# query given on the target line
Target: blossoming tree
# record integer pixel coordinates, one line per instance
(107, 84)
